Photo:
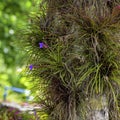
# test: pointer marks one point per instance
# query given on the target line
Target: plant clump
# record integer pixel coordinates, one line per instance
(81, 60)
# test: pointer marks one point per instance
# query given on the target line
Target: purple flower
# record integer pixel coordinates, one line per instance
(31, 67)
(41, 45)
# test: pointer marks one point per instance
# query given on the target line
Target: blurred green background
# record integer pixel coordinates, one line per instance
(14, 16)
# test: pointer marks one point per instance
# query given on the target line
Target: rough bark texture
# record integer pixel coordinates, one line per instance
(98, 109)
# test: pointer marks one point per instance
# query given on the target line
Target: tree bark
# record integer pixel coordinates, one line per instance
(98, 108)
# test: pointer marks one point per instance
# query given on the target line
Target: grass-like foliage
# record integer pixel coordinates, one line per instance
(82, 58)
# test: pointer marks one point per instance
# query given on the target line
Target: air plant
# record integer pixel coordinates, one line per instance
(82, 61)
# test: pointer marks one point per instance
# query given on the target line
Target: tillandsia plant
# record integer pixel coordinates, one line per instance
(78, 73)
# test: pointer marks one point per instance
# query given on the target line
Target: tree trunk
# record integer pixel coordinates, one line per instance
(98, 109)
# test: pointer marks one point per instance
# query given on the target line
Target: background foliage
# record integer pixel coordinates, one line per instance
(13, 18)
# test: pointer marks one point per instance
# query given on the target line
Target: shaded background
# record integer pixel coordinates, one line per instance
(13, 18)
